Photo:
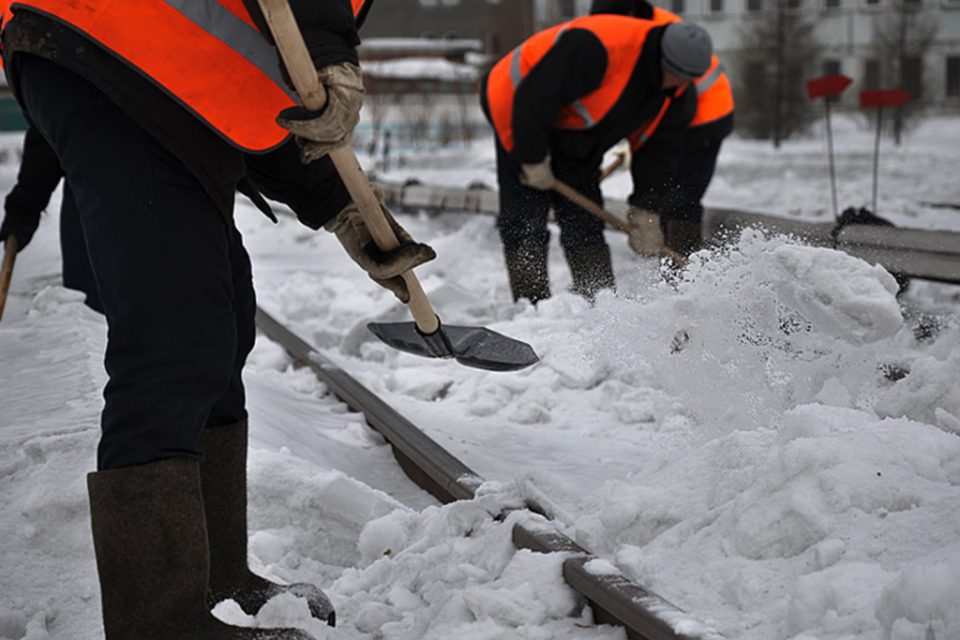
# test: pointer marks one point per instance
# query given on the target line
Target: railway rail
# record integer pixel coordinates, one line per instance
(613, 598)
(918, 253)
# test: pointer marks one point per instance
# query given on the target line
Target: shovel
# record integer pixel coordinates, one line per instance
(472, 346)
(6, 271)
(592, 207)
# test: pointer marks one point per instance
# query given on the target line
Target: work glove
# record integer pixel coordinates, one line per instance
(645, 237)
(538, 175)
(320, 132)
(20, 225)
(383, 268)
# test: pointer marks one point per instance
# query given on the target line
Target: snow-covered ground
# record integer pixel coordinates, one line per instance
(771, 443)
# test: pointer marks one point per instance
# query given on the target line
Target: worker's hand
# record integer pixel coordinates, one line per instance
(20, 225)
(645, 237)
(320, 132)
(538, 175)
(384, 268)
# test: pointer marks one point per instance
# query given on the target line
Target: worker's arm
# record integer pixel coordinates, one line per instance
(573, 68)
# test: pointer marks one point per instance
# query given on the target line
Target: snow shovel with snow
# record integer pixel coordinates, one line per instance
(6, 271)
(472, 346)
(614, 221)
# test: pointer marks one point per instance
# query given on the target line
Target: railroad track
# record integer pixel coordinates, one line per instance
(919, 253)
(613, 598)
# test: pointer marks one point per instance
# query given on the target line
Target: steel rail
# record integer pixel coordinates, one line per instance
(613, 598)
(919, 253)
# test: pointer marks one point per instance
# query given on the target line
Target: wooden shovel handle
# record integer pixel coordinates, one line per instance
(614, 165)
(302, 72)
(6, 271)
(614, 221)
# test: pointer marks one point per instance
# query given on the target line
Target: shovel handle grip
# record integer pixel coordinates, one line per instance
(613, 220)
(302, 72)
(6, 271)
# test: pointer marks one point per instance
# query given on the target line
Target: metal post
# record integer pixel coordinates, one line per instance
(833, 173)
(876, 157)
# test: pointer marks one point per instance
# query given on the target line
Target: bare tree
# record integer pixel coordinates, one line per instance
(778, 53)
(901, 38)
(417, 112)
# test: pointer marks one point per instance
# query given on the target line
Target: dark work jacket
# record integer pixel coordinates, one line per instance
(550, 85)
(331, 36)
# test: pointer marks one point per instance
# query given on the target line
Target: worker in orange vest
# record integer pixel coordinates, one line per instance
(557, 102)
(155, 110)
(668, 191)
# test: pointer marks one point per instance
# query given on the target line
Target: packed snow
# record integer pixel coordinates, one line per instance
(768, 440)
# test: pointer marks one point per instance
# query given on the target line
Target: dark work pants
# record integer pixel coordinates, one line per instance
(523, 211)
(693, 176)
(173, 276)
(77, 273)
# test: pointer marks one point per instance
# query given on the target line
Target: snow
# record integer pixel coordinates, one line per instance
(769, 440)
(420, 68)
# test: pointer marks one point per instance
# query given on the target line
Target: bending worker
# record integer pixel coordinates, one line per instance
(668, 194)
(557, 102)
(155, 110)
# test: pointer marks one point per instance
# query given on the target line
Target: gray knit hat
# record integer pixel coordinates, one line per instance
(686, 49)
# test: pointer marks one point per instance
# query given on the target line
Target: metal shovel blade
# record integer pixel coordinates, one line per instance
(476, 347)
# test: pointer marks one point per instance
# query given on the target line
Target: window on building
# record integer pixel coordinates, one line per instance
(872, 3)
(912, 3)
(678, 6)
(716, 6)
(913, 77)
(953, 76)
(793, 4)
(754, 5)
(871, 74)
(832, 4)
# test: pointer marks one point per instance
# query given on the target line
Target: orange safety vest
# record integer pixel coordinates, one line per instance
(623, 40)
(714, 94)
(207, 54)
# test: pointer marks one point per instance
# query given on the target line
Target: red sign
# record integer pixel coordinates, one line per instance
(884, 98)
(826, 86)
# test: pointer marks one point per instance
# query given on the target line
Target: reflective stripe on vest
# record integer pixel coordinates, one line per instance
(714, 95)
(623, 46)
(641, 135)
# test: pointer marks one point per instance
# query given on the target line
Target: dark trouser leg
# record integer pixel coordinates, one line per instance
(523, 230)
(682, 215)
(223, 472)
(160, 253)
(581, 233)
(77, 273)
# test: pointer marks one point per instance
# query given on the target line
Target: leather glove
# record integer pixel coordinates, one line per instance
(20, 225)
(383, 268)
(320, 132)
(645, 237)
(538, 175)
